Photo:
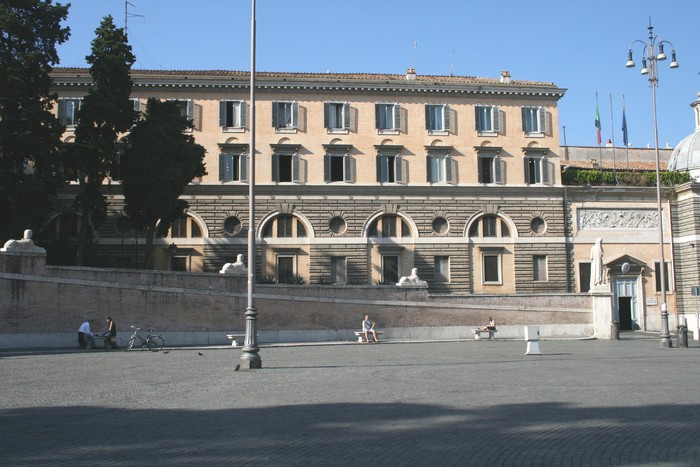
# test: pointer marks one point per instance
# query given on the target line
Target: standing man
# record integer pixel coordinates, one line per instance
(111, 333)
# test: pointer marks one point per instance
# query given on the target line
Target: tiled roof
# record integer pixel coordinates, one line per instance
(368, 77)
(618, 165)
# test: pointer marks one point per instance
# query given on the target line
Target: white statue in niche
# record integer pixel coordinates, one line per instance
(237, 268)
(412, 281)
(597, 268)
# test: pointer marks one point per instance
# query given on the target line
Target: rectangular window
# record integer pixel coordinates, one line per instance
(389, 169)
(68, 111)
(439, 169)
(539, 268)
(536, 170)
(487, 118)
(437, 117)
(491, 268)
(489, 169)
(387, 117)
(285, 168)
(338, 167)
(232, 114)
(390, 269)
(534, 120)
(339, 270)
(657, 276)
(233, 167)
(286, 269)
(180, 263)
(442, 269)
(186, 107)
(285, 115)
(336, 116)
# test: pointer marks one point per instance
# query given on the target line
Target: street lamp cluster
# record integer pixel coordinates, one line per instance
(652, 53)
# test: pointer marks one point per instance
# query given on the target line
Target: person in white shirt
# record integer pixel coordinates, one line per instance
(85, 335)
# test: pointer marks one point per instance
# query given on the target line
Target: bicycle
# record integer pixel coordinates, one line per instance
(154, 342)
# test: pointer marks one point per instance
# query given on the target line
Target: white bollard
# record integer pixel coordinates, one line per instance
(532, 336)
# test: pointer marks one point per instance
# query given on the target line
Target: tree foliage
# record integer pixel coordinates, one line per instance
(105, 113)
(30, 135)
(573, 176)
(159, 161)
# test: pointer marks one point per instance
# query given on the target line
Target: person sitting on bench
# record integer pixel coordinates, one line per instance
(111, 333)
(491, 326)
(367, 327)
(85, 335)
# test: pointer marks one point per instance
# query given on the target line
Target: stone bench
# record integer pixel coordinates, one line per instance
(361, 335)
(489, 332)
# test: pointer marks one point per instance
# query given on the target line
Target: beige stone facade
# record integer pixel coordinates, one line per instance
(360, 178)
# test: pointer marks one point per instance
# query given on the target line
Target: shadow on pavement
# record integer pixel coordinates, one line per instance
(353, 434)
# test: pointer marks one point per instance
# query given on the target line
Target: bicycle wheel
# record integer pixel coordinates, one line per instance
(155, 343)
(130, 344)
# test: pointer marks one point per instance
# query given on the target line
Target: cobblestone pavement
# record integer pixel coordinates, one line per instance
(624, 402)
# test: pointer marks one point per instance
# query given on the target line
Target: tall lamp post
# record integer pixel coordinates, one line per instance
(652, 53)
(250, 358)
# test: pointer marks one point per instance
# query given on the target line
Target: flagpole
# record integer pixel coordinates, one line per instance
(625, 139)
(600, 149)
(612, 138)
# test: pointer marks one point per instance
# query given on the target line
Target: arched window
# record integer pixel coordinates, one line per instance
(284, 226)
(185, 227)
(389, 225)
(489, 226)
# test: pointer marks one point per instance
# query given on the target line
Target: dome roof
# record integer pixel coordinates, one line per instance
(686, 155)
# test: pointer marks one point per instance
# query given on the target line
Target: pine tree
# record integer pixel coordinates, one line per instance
(105, 113)
(159, 161)
(30, 135)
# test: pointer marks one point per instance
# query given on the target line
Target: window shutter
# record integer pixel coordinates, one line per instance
(542, 114)
(427, 117)
(523, 113)
(243, 160)
(527, 170)
(244, 114)
(397, 117)
(295, 168)
(448, 169)
(222, 167)
(197, 117)
(496, 119)
(497, 170)
(398, 169)
(347, 166)
(222, 113)
(545, 170)
(327, 168)
(275, 168)
(326, 114)
(380, 177)
(137, 105)
(346, 116)
(429, 168)
(446, 116)
(62, 112)
(295, 115)
(190, 109)
(275, 111)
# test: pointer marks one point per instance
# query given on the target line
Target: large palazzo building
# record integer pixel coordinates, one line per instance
(360, 178)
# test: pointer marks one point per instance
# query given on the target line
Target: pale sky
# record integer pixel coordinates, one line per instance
(578, 45)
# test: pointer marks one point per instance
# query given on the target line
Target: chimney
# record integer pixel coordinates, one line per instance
(411, 74)
(505, 77)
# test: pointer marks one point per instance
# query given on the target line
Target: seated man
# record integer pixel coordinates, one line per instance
(85, 335)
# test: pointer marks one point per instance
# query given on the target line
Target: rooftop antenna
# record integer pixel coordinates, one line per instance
(128, 15)
(415, 45)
